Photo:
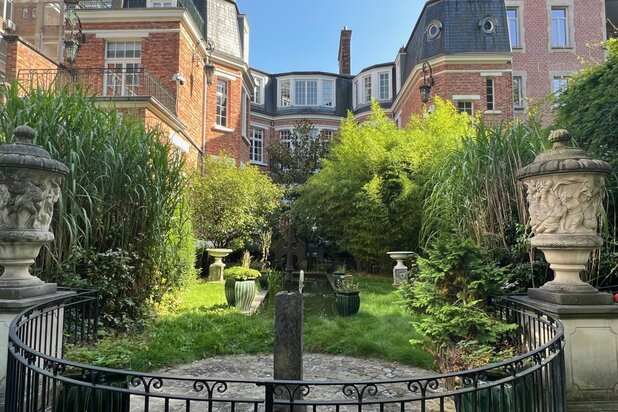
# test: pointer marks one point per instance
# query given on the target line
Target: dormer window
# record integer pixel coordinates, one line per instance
(303, 92)
(488, 25)
(434, 28)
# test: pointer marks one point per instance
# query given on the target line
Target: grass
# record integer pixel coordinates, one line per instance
(202, 326)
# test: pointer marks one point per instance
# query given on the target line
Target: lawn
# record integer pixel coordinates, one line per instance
(202, 325)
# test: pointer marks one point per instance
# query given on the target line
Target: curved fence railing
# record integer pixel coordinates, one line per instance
(39, 379)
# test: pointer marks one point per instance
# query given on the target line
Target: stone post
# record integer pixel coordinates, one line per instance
(288, 347)
(565, 189)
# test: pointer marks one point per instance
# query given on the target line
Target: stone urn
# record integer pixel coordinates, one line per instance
(29, 187)
(565, 189)
(215, 271)
(400, 271)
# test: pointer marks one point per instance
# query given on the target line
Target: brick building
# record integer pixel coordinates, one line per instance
(150, 58)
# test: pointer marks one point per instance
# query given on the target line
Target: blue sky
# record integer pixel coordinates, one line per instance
(289, 35)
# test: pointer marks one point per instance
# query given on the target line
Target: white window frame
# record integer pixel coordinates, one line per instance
(256, 153)
(516, 22)
(24, 13)
(465, 109)
(243, 112)
(490, 82)
(258, 91)
(124, 83)
(161, 3)
(518, 105)
(285, 137)
(367, 88)
(560, 78)
(222, 98)
(563, 21)
(293, 84)
(388, 85)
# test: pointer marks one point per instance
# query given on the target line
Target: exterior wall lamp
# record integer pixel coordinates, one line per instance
(74, 37)
(209, 68)
(428, 81)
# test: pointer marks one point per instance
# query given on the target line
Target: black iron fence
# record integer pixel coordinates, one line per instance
(109, 83)
(39, 379)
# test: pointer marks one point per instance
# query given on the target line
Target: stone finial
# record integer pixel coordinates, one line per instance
(24, 134)
(560, 138)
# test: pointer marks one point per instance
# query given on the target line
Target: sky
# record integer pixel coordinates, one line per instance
(303, 35)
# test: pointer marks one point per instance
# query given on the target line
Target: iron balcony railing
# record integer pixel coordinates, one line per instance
(188, 5)
(105, 82)
(40, 379)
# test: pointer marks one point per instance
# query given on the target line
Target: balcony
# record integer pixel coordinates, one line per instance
(105, 83)
(189, 5)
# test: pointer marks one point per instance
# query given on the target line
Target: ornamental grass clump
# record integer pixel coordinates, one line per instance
(122, 223)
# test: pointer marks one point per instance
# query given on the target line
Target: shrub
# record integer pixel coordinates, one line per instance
(449, 296)
(121, 224)
(231, 203)
(241, 273)
(368, 194)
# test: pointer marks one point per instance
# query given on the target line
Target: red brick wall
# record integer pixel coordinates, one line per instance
(450, 80)
(536, 60)
(22, 56)
(228, 141)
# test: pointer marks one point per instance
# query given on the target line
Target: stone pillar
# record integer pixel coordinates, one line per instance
(288, 347)
(29, 187)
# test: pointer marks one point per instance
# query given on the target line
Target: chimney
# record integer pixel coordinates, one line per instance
(345, 60)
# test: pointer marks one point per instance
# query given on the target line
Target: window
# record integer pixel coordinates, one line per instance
(559, 83)
(257, 91)
(490, 94)
(286, 100)
(488, 25)
(433, 29)
(221, 117)
(327, 134)
(327, 93)
(512, 16)
(465, 107)
(122, 68)
(367, 89)
(306, 93)
(384, 82)
(285, 136)
(24, 13)
(518, 92)
(243, 113)
(559, 27)
(161, 3)
(33, 13)
(257, 145)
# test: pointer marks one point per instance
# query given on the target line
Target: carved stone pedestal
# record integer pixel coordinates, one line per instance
(591, 352)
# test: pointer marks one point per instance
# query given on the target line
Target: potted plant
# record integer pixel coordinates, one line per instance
(347, 298)
(240, 286)
(339, 274)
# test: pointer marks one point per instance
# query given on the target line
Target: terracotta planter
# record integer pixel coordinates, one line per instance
(347, 303)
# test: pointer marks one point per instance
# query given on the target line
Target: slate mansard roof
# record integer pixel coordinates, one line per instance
(461, 31)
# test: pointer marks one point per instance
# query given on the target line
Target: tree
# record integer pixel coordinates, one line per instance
(368, 195)
(293, 162)
(230, 203)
